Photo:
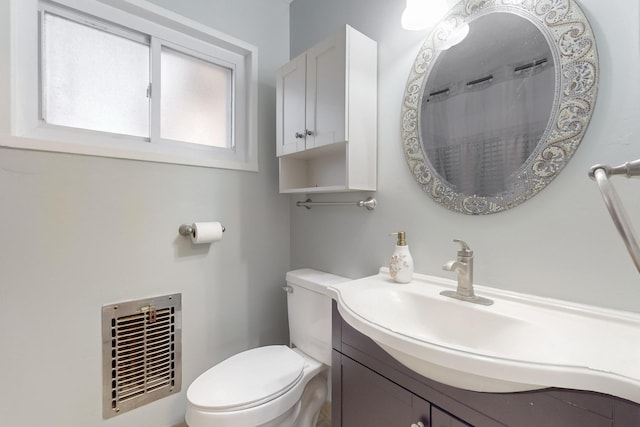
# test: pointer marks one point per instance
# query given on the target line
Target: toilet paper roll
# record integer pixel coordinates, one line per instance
(206, 232)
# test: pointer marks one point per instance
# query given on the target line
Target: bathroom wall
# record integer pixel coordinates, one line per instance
(560, 244)
(78, 232)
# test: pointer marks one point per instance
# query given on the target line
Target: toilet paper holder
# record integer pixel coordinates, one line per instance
(187, 230)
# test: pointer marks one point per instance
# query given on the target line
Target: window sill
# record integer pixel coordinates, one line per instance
(128, 150)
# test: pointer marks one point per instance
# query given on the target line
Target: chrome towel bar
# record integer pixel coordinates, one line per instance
(629, 169)
(370, 203)
(601, 174)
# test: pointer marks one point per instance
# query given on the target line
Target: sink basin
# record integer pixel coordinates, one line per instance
(521, 342)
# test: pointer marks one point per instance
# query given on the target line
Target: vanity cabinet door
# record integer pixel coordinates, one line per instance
(440, 418)
(370, 400)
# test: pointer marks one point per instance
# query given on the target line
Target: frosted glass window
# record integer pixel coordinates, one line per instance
(94, 79)
(132, 82)
(196, 100)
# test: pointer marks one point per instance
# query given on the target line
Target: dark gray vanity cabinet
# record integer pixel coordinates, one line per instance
(370, 388)
(369, 399)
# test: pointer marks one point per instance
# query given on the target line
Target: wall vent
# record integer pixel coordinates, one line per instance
(142, 354)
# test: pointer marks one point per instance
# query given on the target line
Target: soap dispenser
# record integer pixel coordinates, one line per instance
(401, 263)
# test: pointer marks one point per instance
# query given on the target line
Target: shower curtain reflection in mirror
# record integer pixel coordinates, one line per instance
(477, 134)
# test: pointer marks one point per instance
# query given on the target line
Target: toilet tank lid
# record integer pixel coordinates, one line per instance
(314, 280)
(247, 379)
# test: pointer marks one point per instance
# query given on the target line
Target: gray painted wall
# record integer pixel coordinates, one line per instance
(561, 243)
(79, 232)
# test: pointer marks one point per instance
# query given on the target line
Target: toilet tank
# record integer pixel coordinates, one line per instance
(309, 310)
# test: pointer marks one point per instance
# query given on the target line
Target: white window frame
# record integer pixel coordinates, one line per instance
(29, 131)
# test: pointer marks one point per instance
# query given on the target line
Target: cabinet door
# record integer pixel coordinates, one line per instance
(290, 106)
(326, 96)
(440, 418)
(370, 400)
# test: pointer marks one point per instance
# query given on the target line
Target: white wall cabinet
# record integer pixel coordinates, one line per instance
(326, 100)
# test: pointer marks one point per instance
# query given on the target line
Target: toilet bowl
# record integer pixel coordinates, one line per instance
(273, 386)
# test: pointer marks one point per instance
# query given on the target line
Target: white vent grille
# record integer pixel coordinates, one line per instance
(141, 352)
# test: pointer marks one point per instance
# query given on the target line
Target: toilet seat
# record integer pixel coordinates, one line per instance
(266, 411)
(247, 379)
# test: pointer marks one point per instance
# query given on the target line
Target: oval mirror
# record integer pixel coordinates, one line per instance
(497, 101)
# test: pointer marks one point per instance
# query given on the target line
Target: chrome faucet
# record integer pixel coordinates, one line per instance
(463, 267)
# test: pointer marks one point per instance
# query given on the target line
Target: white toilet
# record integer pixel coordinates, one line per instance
(273, 385)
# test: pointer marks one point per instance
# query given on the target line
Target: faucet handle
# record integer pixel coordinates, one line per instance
(465, 250)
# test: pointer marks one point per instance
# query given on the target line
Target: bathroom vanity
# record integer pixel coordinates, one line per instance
(370, 388)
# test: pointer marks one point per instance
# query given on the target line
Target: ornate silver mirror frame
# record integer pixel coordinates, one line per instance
(573, 47)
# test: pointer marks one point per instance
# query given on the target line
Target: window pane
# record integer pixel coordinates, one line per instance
(196, 100)
(94, 79)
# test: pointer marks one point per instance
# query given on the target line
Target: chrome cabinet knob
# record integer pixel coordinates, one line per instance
(308, 132)
(420, 424)
(299, 135)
